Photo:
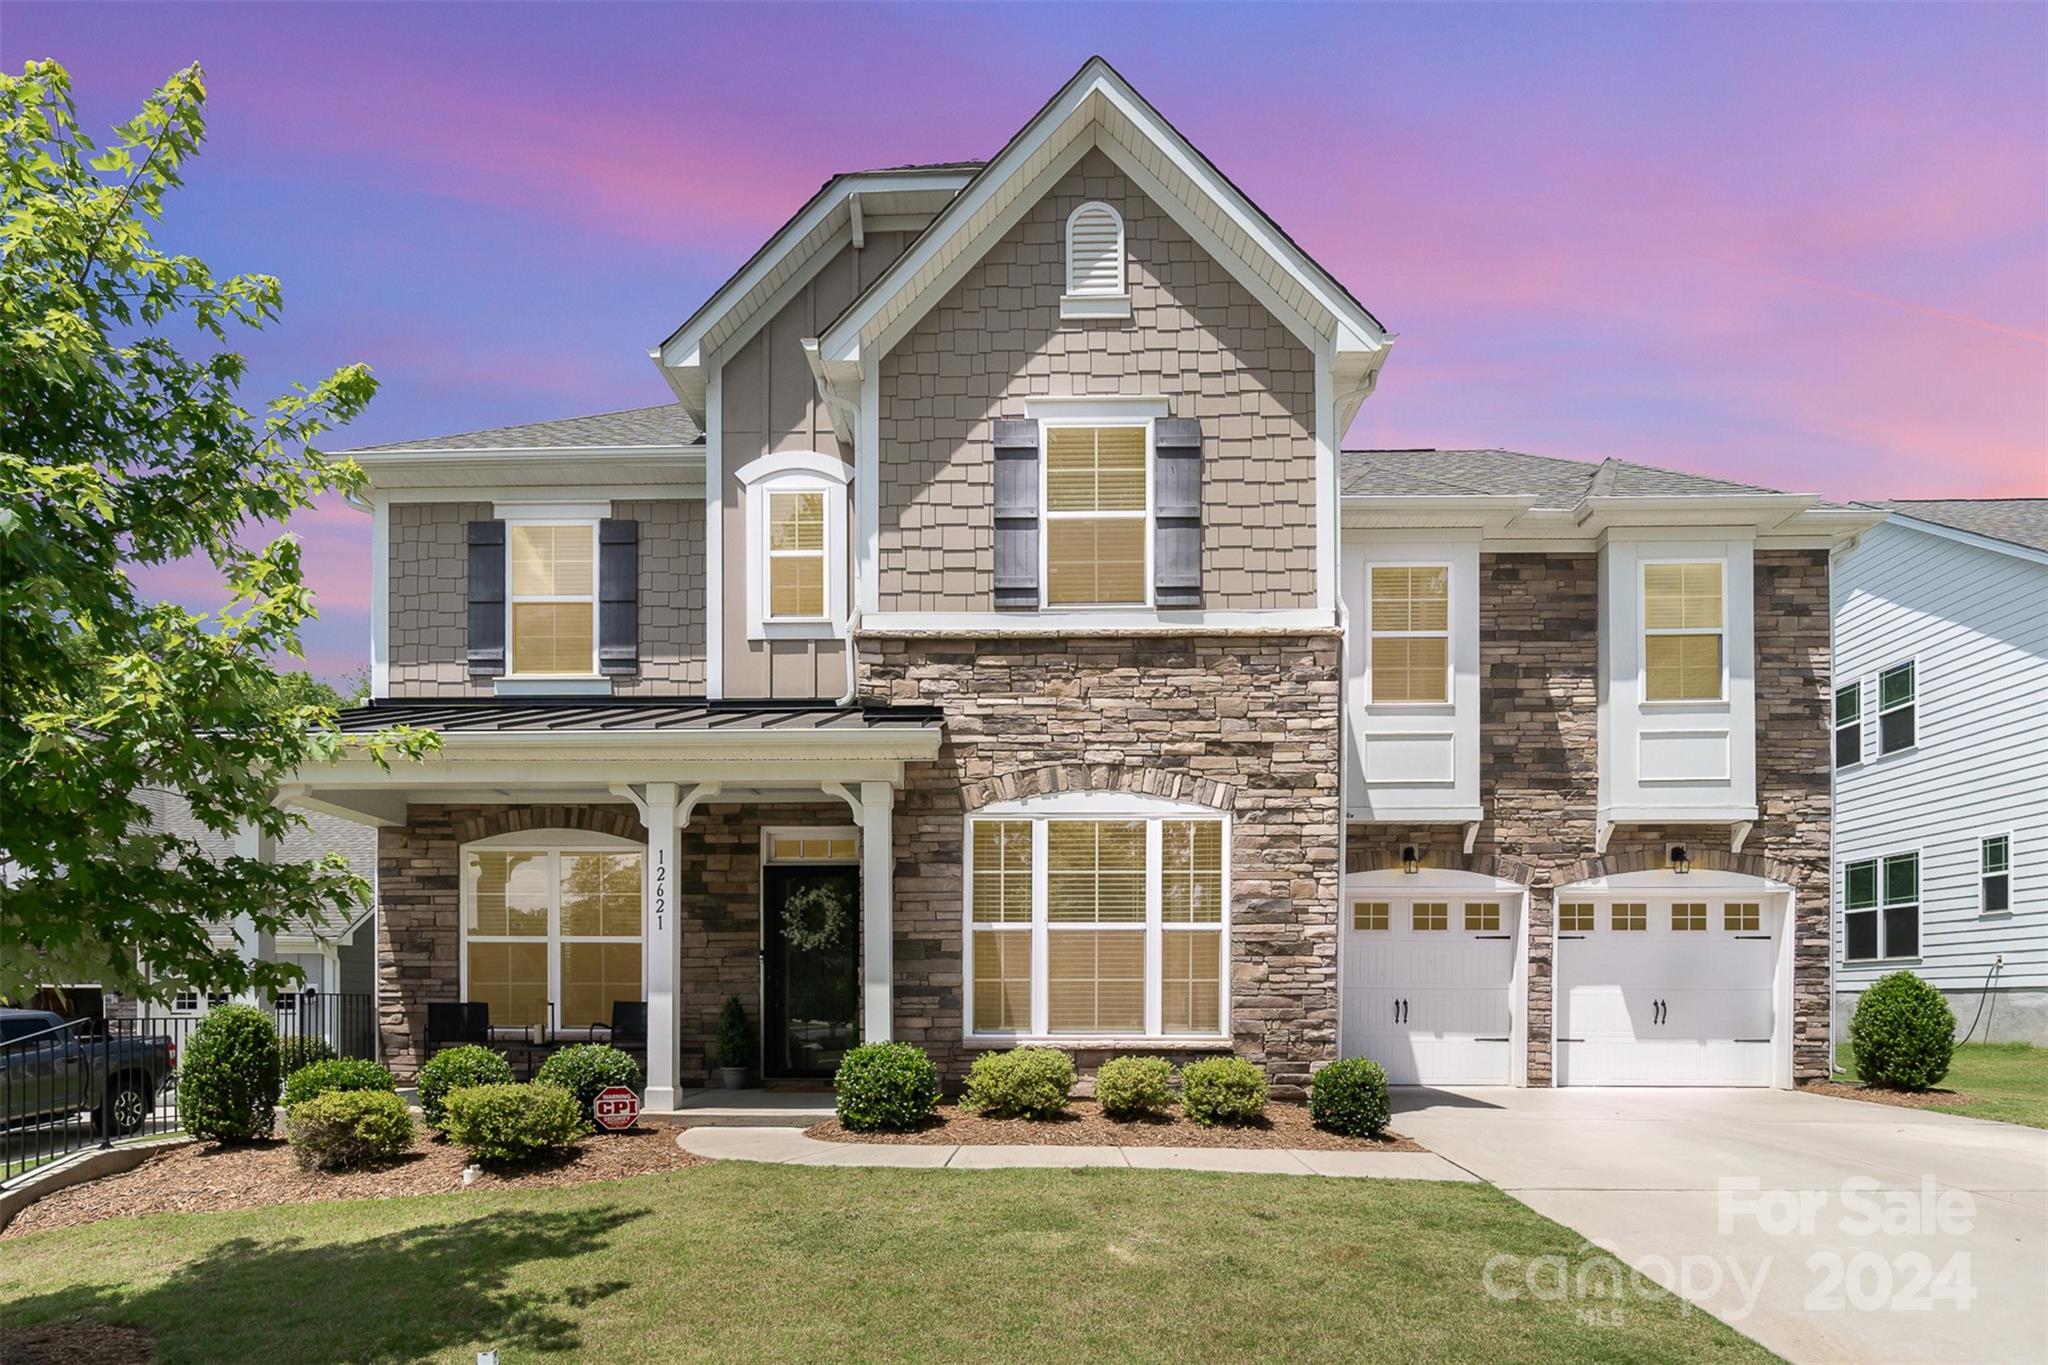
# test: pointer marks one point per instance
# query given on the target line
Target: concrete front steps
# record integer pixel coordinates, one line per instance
(751, 1108)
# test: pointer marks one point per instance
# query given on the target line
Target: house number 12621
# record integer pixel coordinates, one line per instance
(660, 890)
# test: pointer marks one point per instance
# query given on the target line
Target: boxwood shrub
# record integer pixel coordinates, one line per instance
(588, 1069)
(1349, 1097)
(512, 1123)
(340, 1130)
(1133, 1087)
(341, 1073)
(451, 1069)
(886, 1086)
(1222, 1090)
(227, 1081)
(299, 1050)
(1025, 1082)
(1904, 1033)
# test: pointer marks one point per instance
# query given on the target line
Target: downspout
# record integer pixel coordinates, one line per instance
(852, 658)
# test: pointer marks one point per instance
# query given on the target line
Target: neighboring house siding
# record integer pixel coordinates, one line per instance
(429, 598)
(1974, 623)
(769, 402)
(1539, 767)
(1195, 336)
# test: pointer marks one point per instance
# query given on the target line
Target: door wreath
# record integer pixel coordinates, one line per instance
(814, 916)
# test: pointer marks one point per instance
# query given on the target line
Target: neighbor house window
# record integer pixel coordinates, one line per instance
(553, 599)
(1095, 252)
(1881, 908)
(1682, 625)
(1994, 859)
(1848, 725)
(1895, 724)
(186, 1002)
(796, 555)
(1095, 516)
(1410, 648)
(552, 936)
(1689, 916)
(1109, 926)
(1575, 918)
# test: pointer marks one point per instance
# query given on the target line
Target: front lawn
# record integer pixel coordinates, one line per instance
(2003, 1081)
(740, 1261)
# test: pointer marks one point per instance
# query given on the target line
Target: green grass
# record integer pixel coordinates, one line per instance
(2004, 1081)
(745, 1262)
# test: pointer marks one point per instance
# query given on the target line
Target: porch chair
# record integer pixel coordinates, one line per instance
(457, 1021)
(628, 1028)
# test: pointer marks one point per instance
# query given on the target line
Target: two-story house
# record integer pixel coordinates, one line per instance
(1941, 760)
(992, 643)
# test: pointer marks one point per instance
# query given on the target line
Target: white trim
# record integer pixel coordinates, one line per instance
(714, 534)
(770, 833)
(533, 686)
(795, 471)
(1071, 621)
(1084, 410)
(1084, 307)
(867, 578)
(691, 491)
(1121, 289)
(380, 597)
(782, 462)
(1329, 442)
(543, 512)
(1085, 421)
(555, 516)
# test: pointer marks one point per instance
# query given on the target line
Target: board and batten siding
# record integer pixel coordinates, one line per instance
(1974, 620)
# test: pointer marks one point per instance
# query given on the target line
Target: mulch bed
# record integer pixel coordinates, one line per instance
(1903, 1099)
(203, 1178)
(78, 1342)
(1085, 1125)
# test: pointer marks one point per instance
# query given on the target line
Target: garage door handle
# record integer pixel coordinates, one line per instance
(1503, 1040)
(1761, 938)
(1560, 935)
(1502, 937)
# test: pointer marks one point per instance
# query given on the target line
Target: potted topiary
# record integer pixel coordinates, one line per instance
(735, 1044)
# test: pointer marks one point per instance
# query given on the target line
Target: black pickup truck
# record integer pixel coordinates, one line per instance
(51, 1070)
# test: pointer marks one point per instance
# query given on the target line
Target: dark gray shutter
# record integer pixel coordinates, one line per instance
(486, 599)
(1016, 442)
(618, 596)
(1177, 512)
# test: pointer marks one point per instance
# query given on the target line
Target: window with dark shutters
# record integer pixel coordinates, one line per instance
(618, 596)
(1177, 512)
(486, 642)
(1016, 513)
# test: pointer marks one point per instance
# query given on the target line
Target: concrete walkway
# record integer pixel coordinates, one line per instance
(786, 1146)
(1827, 1229)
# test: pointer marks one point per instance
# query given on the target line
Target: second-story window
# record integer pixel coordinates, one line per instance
(796, 555)
(1682, 632)
(1896, 728)
(1095, 516)
(1849, 725)
(796, 544)
(1410, 649)
(553, 599)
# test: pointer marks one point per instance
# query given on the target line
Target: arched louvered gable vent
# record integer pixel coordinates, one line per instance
(1095, 251)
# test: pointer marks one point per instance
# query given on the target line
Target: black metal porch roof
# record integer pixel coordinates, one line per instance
(612, 715)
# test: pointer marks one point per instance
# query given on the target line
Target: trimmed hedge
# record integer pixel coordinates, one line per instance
(886, 1086)
(343, 1129)
(588, 1069)
(341, 1073)
(1025, 1082)
(228, 1078)
(1222, 1090)
(511, 1123)
(1132, 1087)
(1904, 1033)
(1350, 1097)
(452, 1068)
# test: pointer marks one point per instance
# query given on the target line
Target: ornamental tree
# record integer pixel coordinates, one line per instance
(123, 443)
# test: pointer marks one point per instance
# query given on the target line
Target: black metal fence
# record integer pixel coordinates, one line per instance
(93, 1082)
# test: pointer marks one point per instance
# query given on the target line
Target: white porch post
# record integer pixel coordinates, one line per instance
(250, 945)
(664, 947)
(877, 897)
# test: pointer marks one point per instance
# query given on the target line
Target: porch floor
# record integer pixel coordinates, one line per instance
(752, 1108)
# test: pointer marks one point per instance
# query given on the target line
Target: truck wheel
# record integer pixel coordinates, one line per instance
(123, 1110)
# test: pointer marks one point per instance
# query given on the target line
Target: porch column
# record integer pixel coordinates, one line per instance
(877, 897)
(664, 947)
(250, 945)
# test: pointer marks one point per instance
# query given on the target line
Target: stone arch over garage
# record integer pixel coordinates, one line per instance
(1379, 858)
(1656, 858)
(1050, 779)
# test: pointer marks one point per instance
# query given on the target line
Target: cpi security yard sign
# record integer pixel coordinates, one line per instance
(616, 1108)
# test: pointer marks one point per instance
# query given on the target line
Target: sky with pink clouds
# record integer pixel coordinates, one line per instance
(1799, 246)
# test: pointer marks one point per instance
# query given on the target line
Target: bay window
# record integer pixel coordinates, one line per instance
(1410, 639)
(552, 934)
(1098, 918)
(1682, 632)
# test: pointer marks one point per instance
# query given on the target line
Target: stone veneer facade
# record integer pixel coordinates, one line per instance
(1245, 723)
(1539, 768)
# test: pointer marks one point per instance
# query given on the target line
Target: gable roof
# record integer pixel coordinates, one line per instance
(320, 835)
(665, 426)
(1554, 483)
(2017, 521)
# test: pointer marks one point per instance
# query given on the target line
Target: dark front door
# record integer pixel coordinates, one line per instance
(810, 949)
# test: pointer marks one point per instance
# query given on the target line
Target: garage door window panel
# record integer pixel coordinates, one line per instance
(1369, 916)
(1630, 916)
(1744, 917)
(1575, 917)
(1689, 917)
(1430, 916)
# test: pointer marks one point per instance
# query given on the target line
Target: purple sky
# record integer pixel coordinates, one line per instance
(1800, 246)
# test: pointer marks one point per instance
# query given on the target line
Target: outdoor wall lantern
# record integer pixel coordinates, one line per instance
(1411, 861)
(1679, 862)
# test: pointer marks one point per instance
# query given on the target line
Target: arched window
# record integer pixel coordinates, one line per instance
(1095, 252)
(796, 564)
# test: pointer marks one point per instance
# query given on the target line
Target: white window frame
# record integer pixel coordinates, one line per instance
(553, 517)
(1446, 634)
(1838, 725)
(556, 844)
(795, 471)
(1913, 701)
(1095, 806)
(1046, 515)
(1644, 630)
(1883, 907)
(1983, 907)
(1076, 303)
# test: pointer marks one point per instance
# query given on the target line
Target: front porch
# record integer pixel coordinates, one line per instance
(560, 863)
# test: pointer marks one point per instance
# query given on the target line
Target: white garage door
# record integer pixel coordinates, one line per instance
(1663, 991)
(1426, 986)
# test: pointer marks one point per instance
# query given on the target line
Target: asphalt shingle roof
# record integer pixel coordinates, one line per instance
(2020, 521)
(665, 424)
(1554, 483)
(320, 835)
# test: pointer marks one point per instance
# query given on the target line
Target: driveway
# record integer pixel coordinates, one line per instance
(1815, 1225)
